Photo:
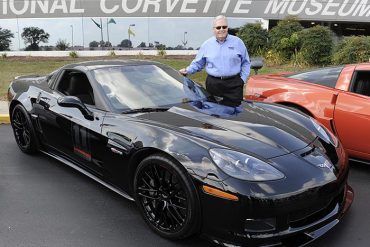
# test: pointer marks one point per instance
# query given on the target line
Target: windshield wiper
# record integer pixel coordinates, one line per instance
(146, 109)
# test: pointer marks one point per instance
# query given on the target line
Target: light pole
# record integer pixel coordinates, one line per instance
(129, 34)
(19, 42)
(72, 36)
(185, 42)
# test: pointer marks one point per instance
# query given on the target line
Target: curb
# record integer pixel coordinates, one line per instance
(4, 119)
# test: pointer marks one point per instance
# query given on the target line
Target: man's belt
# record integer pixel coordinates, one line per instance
(225, 77)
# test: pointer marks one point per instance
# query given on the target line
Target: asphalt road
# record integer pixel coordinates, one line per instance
(45, 203)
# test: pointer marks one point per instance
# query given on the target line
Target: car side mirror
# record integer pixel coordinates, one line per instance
(256, 64)
(74, 102)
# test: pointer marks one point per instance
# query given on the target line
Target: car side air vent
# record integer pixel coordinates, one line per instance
(304, 154)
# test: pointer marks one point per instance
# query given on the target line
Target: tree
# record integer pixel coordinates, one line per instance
(233, 31)
(255, 38)
(62, 45)
(159, 46)
(142, 45)
(5, 36)
(107, 44)
(179, 47)
(293, 43)
(102, 43)
(353, 49)
(317, 45)
(33, 36)
(284, 30)
(125, 43)
(93, 44)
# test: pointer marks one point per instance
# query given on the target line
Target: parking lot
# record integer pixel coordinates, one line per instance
(45, 203)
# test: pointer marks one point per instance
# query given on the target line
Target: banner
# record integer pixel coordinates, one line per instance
(326, 10)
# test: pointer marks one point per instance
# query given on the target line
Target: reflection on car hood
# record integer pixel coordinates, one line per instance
(255, 130)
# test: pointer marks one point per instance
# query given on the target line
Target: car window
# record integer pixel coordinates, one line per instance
(326, 77)
(138, 86)
(51, 77)
(75, 83)
(361, 83)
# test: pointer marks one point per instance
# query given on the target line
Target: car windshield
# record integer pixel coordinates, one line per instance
(326, 77)
(140, 86)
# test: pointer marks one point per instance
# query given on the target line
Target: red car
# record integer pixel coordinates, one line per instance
(338, 97)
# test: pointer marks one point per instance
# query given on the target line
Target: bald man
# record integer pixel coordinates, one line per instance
(226, 61)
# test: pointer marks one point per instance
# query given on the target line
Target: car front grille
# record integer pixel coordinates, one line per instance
(314, 213)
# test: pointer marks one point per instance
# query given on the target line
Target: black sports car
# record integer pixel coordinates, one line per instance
(257, 174)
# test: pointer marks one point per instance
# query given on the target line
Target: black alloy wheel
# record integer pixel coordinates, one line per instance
(23, 130)
(166, 197)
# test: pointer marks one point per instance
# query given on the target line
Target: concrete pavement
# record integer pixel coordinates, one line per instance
(4, 112)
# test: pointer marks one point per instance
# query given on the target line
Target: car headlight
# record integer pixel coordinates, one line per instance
(243, 166)
(324, 133)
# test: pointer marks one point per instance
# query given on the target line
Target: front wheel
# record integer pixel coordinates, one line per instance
(166, 197)
(23, 131)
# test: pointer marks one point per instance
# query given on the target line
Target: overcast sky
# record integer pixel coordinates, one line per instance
(168, 31)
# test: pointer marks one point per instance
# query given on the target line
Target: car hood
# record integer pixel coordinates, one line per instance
(254, 130)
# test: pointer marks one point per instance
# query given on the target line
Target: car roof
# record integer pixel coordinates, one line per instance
(89, 65)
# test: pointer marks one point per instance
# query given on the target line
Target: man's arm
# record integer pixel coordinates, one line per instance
(245, 64)
(197, 64)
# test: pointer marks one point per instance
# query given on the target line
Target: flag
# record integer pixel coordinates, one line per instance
(112, 21)
(97, 24)
(130, 32)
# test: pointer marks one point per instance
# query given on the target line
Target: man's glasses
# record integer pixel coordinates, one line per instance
(219, 27)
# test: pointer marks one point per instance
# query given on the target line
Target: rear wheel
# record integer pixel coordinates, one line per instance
(166, 197)
(23, 131)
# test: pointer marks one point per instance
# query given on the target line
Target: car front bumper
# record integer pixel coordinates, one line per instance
(250, 222)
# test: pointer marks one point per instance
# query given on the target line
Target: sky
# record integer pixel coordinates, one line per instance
(168, 31)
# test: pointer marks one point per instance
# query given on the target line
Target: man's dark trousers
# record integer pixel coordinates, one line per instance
(229, 88)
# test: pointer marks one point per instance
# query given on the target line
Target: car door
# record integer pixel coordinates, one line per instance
(352, 114)
(68, 131)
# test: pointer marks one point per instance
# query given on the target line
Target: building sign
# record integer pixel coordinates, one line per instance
(328, 10)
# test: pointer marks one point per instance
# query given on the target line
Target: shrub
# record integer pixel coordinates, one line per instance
(140, 55)
(273, 58)
(317, 45)
(73, 54)
(4, 55)
(161, 53)
(298, 60)
(284, 30)
(255, 38)
(62, 45)
(112, 54)
(354, 49)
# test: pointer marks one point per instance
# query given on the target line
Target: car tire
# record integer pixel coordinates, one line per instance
(166, 197)
(24, 132)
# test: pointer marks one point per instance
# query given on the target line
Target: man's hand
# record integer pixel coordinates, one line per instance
(183, 72)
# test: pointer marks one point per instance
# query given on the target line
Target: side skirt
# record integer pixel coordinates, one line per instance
(360, 161)
(70, 164)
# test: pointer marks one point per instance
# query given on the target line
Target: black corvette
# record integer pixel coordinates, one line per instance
(258, 174)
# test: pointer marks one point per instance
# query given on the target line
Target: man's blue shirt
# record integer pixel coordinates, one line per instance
(222, 59)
